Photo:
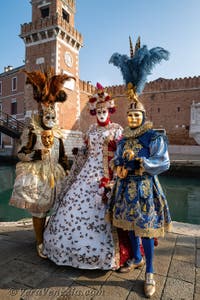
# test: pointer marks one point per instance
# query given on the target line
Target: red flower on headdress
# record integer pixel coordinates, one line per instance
(107, 98)
(101, 99)
(92, 100)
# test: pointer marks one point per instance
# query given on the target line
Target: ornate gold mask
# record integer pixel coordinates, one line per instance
(47, 138)
(135, 118)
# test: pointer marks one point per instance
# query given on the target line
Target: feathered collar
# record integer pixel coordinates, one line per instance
(133, 133)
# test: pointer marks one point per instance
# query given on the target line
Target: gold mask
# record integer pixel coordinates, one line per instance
(135, 118)
(47, 138)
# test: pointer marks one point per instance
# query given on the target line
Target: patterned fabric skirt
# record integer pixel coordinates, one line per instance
(138, 203)
(77, 234)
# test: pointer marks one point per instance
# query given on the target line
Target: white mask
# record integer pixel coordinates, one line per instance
(49, 118)
(102, 114)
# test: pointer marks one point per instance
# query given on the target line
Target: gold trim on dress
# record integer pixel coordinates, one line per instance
(142, 232)
(31, 207)
(105, 159)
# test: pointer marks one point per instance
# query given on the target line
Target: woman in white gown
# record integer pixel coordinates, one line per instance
(77, 234)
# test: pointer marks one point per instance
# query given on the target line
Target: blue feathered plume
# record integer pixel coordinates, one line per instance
(136, 69)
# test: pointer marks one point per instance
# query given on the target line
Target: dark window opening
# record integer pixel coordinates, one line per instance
(13, 108)
(158, 109)
(65, 15)
(45, 12)
(35, 37)
(14, 84)
(178, 108)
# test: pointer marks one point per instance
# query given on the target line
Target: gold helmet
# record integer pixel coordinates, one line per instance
(134, 103)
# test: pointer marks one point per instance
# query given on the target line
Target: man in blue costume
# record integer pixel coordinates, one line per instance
(138, 202)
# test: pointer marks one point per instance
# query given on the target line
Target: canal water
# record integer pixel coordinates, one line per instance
(183, 195)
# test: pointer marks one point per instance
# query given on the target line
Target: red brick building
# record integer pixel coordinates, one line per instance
(52, 40)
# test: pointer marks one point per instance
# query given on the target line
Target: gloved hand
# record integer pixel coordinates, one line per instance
(139, 169)
(75, 151)
(122, 172)
(135, 165)
(138, 162)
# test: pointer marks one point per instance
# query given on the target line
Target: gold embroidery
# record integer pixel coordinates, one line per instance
(134, 145)
(133, 133)
(132, 189)
(143, 232)
(117, 187)
(106, 153)
(144, 208)
(128, 154)
(105, 159)
(146, 187)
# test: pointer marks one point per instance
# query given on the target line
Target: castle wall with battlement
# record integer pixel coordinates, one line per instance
(167, 102)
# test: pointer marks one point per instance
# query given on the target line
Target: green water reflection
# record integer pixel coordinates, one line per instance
(7, 212)
(183, 196)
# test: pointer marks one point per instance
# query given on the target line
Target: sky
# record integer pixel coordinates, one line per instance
(106, 26)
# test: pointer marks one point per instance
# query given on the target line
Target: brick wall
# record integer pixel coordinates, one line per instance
(167, 103)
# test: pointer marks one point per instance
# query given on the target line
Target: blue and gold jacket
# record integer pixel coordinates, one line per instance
(138, 201)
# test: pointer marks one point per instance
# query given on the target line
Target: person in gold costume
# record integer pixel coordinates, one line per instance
(43, 163)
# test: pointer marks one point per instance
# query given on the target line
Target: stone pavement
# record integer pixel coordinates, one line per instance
(25, 276)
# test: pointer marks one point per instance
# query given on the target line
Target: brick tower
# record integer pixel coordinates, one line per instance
(51, 40)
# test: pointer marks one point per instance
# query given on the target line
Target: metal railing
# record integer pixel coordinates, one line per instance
(10, 126)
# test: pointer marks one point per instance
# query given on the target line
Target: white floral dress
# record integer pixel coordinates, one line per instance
(77, 234)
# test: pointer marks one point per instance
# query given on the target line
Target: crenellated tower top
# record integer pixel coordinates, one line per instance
(47, 8)
(52, 19)
(51, 39)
